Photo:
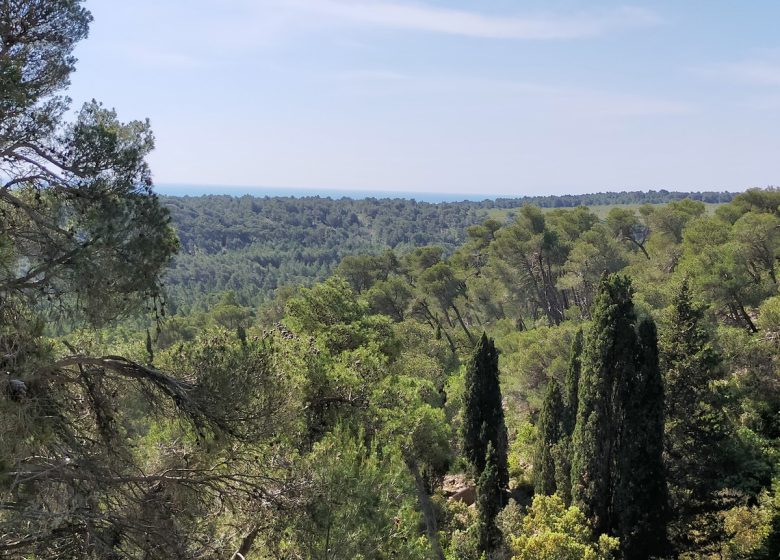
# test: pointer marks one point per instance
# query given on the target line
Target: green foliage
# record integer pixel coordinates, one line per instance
(697, 430)
(617, 474)
(551, 428)
(355, 507)
(483, 413)
(551, 531)
(330, 433)
(490, 500)
(641, 496)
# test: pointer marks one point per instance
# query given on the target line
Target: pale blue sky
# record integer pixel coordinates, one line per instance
(490, 96)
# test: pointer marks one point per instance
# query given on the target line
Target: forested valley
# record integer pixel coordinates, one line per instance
(250, 246)
(249, 378)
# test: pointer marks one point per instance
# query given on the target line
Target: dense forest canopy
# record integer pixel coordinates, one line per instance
(549, 385)
(253, 245)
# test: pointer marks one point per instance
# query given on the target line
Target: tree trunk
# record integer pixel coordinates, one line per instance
(462, 324)
(431, 530)
(641, 247)
(246, 545)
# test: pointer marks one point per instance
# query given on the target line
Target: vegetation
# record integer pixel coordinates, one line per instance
(257, 246)
(596, 387)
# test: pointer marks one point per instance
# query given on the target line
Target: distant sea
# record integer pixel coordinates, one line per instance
(199, 190)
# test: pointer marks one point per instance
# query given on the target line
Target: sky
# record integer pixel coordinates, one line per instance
(490, 96)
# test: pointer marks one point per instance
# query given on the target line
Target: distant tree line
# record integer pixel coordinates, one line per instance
(607, 198)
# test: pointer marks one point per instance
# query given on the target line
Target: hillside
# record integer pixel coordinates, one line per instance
(252, 245)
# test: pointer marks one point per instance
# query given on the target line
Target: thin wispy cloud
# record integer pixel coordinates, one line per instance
(756, 72)
(246, 26)
(427, 18)
(762, 69)
(144, 56)
(513, 97)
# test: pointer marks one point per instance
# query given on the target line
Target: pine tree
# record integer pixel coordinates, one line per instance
(617, 473)
(696, 428)
(490, 501)
(483, 417)
(550, 432)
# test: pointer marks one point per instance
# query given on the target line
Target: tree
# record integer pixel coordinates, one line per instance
(563, 450)
(627, 227)
(439, 282)
(640, 500)
(609, 354)
(716, 264)
(353, 503)
(76, 206)
(422, 434)
(617, 439)
(594, 252)
(85, 242)
(551, 531)
(550, 426)
(490, 501)
(696, 427)
(572, 383)
(531, 257)
(483, 414)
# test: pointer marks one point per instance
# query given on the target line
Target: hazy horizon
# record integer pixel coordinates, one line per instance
(173, 189)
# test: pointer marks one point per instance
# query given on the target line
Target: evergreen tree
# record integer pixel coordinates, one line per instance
(550, 432)
(640, 493)
(490, 501)
(563, 449)
(609, 354)
(483, 417)
(696, 428)
(617, 474)
(572, 382)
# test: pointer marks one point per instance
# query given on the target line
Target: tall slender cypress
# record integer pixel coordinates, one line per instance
(490, 499)
(571, 384)
(483, 415)
(608, 356)
(563, 450)
(550, 430)
(640, 501)
(617, 473)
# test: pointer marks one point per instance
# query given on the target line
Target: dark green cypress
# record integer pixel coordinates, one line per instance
(483, 415)
(617, 471)
(640, 500)
(550, 427)
(572, 382)
(609, 355)
(563, 450)
(490, 501)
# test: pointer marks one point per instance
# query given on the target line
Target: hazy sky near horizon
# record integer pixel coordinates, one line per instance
(490, 96)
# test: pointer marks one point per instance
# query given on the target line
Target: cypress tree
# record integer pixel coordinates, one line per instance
(550, 431)
(483, 416)
(640, 500)
(609, 355)
(696, 428)
(490, 500)
(617, 473)
(563, 449)
(572, 382)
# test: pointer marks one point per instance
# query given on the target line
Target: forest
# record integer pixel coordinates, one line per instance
(251, 246)
(446, 384)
